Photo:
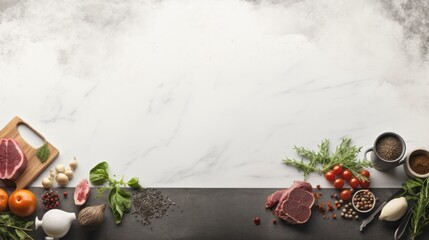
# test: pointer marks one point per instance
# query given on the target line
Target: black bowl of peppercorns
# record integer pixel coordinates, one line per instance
(363, 201)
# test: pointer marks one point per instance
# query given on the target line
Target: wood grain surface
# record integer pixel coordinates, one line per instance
(34, 166)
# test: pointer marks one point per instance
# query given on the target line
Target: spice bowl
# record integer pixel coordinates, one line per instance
(363, 201)
(417, 164)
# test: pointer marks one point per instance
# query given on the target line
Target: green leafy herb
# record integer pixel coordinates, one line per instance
(43, 153)
(98, 174)
(134, 183)
(12, 227)
(417, 190)
(322, 161)
(119, 199)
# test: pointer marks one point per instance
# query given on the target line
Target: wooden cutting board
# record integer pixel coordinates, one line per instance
(34, 167)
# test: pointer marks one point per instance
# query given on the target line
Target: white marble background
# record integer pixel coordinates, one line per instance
(214, 93)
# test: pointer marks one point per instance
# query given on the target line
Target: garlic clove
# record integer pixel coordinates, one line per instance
(69, 173)
(394, 209)
(73, 164)
(46, 183)
(60, 168)
(62, 179)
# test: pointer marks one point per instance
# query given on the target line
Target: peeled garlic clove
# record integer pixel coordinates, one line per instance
(62, 179)
(394, 209)
(73, 164)
(46, 183)
(60, 168)
(69, 173)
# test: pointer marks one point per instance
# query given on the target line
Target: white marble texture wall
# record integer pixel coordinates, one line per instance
(214, 93)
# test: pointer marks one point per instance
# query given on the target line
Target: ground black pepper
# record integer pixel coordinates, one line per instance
(389, 148)
(150, 203)
(420, 163)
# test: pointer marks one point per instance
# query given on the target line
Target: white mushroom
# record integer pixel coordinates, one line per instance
(62, 179)
(46, 183)
(69, 173)
(60, 168)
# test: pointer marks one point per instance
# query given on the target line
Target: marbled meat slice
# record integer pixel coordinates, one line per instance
(12, 159)
(296, 207)
(274, 199)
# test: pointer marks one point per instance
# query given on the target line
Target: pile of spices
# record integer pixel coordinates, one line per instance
(50, 199)
(389, 148)
(420, 163)
(348, 213)
(363, 200)
(149, 203)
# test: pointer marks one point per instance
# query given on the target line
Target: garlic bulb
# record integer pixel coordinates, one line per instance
(91, 217)
(394, 209)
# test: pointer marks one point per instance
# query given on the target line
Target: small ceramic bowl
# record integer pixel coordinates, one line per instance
(423, 155)
(363, 201)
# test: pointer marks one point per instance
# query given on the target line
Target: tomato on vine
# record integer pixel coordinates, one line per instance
(347, 175)
(338, 170)
(354, 182)
(365, 173)
(330, 176)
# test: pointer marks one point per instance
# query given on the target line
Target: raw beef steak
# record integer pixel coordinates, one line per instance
(293, 204)
(12, 159)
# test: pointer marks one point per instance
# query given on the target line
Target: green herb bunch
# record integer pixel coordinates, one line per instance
(13, 227)
(119, 199)
(417, 190)
(322, 161)
(43, 153)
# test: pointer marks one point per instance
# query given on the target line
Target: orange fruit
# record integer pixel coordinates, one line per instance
(22, 203)
(3, 200)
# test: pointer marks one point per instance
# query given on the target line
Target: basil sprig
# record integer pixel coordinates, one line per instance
(119, 199)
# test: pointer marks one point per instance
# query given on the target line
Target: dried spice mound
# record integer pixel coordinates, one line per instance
(149, 203)
(420, 163)
(389, 148)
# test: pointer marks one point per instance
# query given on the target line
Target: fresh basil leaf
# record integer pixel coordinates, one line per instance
(119, 202)
(134, 183)
(98, 174)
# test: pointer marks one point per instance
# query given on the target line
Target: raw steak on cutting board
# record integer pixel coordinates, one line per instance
(12, 159)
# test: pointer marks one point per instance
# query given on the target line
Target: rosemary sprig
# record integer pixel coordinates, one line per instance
(322, 161)
(417, 190)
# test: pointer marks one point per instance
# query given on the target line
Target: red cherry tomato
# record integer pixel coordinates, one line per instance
(354, 182)
(364, 184)
(346, 194)
(339, 183)
(365, 173)
(330, 176)
(338, 170)
(347, 175)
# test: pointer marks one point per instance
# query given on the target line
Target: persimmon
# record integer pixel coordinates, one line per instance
(3, 200)
(22, 203)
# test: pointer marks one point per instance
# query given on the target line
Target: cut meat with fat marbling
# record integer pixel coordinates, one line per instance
(12, 159)
(293, 204)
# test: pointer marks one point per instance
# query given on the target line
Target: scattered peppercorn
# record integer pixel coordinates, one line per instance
(274, 221)
(257, 220)
(318, 187)
(65, 194)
